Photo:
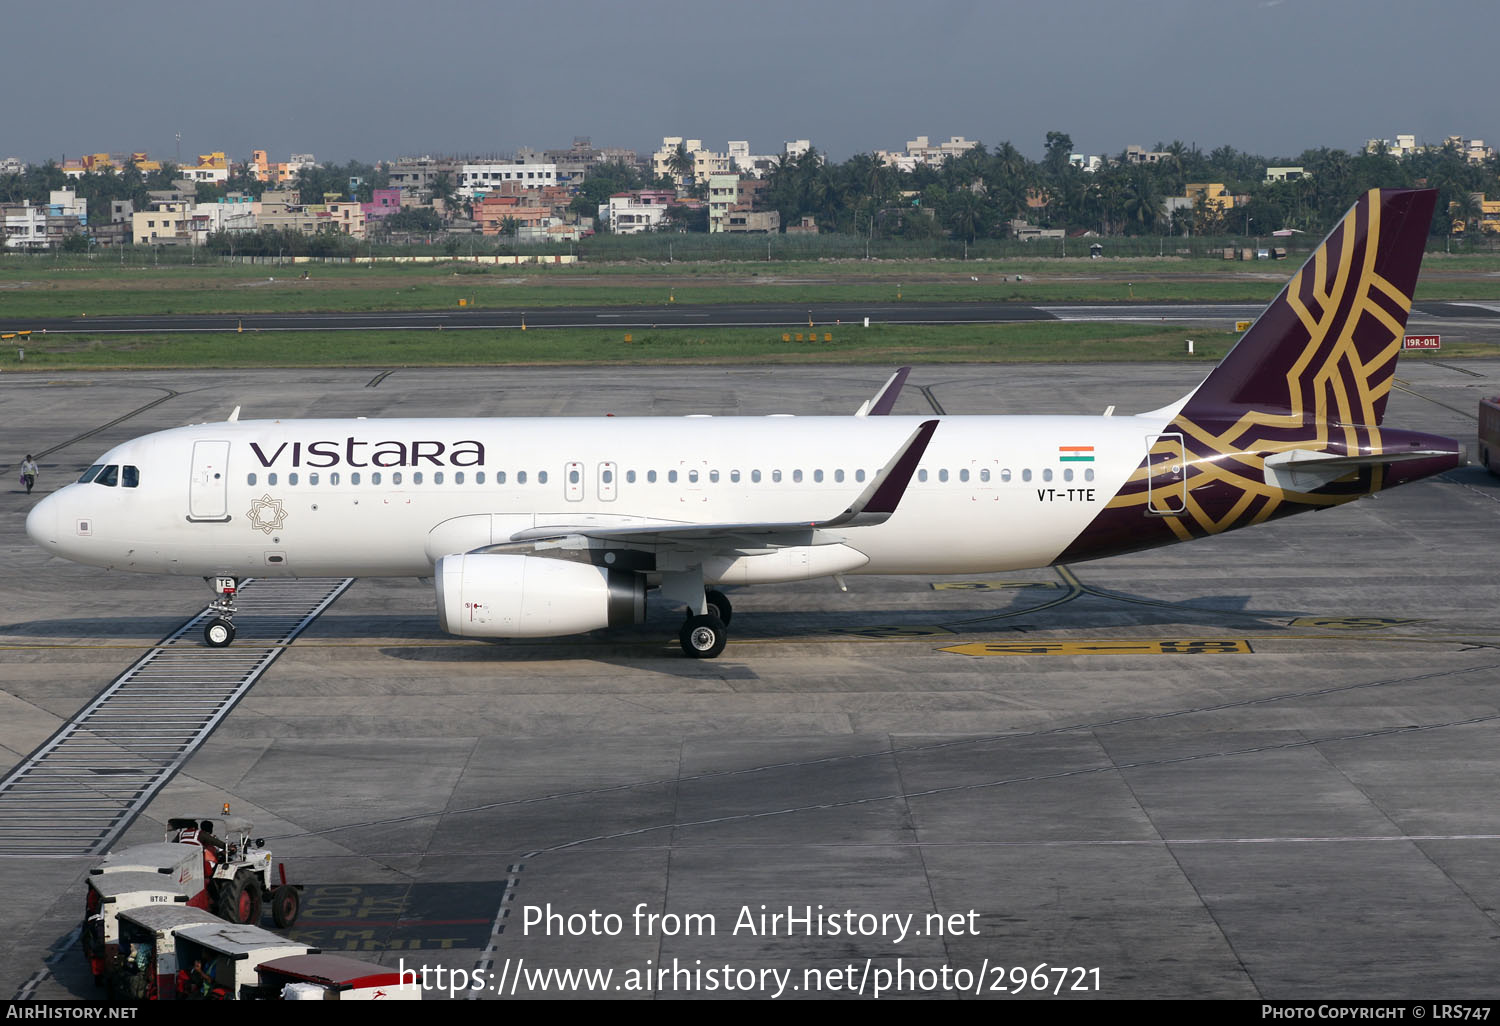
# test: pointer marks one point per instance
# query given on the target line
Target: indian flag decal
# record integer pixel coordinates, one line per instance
(1075, 454)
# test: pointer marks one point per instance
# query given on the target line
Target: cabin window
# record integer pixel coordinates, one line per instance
(1026, 474)
(479, 477)
(1005, 474)
(651, 477)
(734, 477)
(1088, 473)
(963, 475)
(693, 476)
(838, 477)
(818, 476)
(271, 480)
(630, 477)
(984, 473)
(291, 479)
(608, 476)
(416, 477)
(776, 477)
(797, 476)
(437, 477)
(374, 478)
(713, 477)
(520, 477)
(1067, 473)
(312, 479)
(671, 477)
(130, 477)
(499, 477)
(458, 476)
(250, 479)
(755, 477)
(333, 478)
(396, 477)
(943, 474)
(354, 477)
(541, 477)
(922, 474)
(573, 476)
(93, 472)
(1047, 474)
(859, 475)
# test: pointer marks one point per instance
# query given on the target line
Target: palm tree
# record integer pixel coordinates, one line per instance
(681, 165)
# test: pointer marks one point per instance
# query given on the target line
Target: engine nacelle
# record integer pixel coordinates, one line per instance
(497, 595)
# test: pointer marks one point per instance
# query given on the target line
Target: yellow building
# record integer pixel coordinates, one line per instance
(1213, 193)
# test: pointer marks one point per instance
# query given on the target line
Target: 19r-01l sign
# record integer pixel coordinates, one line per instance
(1422, 342)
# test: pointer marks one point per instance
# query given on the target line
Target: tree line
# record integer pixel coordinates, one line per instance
(976, 194)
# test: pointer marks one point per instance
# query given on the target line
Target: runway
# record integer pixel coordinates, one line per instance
(929, 780)
(1477, 321)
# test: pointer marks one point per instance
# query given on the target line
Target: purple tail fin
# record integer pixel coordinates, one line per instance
(1325, 350)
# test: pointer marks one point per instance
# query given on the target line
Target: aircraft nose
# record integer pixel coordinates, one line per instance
(42, 523)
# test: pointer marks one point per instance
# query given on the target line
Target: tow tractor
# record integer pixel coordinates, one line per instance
(207, 862)
(237, 869)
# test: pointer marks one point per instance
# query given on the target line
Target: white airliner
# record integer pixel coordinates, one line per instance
(540, 527)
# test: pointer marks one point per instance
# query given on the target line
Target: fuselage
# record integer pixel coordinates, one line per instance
(389, 497)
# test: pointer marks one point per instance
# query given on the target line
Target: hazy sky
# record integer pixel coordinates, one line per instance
(376, 79)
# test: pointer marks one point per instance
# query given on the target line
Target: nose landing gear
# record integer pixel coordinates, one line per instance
(219, 631)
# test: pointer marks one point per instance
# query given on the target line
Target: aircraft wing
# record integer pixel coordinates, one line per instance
(874, 505)
(880, 404)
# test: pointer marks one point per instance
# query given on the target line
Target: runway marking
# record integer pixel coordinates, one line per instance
(1352, 623)
(991, 585)
(894, 631)
(1208, 646)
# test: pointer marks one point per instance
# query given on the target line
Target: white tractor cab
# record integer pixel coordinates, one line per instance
(333, 978)
(147, 968)
(221, 961)
(110, 894)
(237, 869)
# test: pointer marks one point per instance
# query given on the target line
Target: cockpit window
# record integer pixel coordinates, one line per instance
(91, 473)
(109, 476)
(130, 477)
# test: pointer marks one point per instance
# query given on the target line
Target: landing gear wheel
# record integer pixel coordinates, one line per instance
(286, 902)
(240, 900)
(703, 637)
(718, 605)
(219, 633)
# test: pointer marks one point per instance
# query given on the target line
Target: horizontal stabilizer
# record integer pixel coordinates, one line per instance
(1304, 470)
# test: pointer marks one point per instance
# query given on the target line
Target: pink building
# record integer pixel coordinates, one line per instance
(383, 203)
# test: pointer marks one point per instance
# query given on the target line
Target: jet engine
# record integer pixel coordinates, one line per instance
(500, 595)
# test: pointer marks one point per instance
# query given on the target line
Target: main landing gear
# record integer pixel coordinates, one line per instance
(704, 636)
(219, 631)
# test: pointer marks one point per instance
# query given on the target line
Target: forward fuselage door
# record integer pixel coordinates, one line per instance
(208, 489)
(1166, 483)
(573, 481)
(608, 472)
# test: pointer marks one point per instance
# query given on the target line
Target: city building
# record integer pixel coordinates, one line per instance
(629, 213)
(480, 179)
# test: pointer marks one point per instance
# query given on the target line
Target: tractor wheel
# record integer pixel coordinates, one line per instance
(240, 900)
(286, 902)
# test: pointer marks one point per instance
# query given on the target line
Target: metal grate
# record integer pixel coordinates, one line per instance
(78, 792)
